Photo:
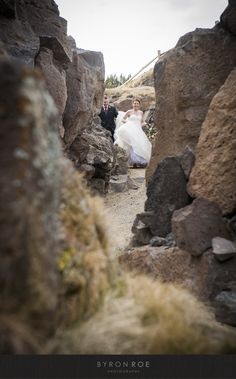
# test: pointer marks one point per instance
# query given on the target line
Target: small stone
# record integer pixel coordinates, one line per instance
(157, 241)
(170, 240)
(118, 184)
(141, 231)
(223, 249)
(131, 183)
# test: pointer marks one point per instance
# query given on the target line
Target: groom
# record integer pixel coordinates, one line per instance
(108, 115)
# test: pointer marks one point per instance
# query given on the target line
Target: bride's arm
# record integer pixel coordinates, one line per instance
(126, 116)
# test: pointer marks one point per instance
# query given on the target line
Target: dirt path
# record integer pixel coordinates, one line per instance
(122, 208)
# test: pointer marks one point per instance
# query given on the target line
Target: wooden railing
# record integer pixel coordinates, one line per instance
(134, 76)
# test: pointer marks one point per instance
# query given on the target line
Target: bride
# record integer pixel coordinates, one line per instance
(130, 136)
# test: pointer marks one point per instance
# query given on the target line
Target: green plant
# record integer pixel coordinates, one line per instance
(113, 80)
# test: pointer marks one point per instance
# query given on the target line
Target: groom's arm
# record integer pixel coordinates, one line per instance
(115, 113)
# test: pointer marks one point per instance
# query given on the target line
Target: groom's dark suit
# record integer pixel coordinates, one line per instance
(108, 119)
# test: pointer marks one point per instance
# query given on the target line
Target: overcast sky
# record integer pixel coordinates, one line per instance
(130, 32)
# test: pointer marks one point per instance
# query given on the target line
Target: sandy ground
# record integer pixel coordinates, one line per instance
(122, 208)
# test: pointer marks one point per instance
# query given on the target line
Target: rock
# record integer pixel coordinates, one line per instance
(228, 17)
(121, 183)
(92, 147)
(232, 224)
(131, 183)
(37, 35)
(18, 38)
(89, 170)
(98, 186)
(45, 21)
(149, 115)
(214, 172)
(140, 228)
(195, 225)
(187, 160)
(223, 249)
(139, 179)
(215, 276)
(225, 307)
(55, 78)
(168, 265)
(157, 241)
(121, 161)
(85, 88)
(3, 52)
(188, 76)
(170, 239)
(29, 200)
(166, 192)
(33, 25)
(118, 183)
(62, 53)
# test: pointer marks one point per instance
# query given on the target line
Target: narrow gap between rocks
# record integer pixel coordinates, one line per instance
(122, 208)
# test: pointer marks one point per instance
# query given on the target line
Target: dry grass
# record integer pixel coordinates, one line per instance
(84, 262)
(147, 317)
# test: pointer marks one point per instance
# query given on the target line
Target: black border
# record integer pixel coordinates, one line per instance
(136, 366)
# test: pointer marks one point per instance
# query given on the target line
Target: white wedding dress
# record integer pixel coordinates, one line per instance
(131, 137)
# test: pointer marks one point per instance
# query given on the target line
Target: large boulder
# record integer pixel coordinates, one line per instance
(33, 32)
(93, 147)
(166, 192)
(186, 79)
(194, 226)
(214, 173)
(85, 87)
(29, 200)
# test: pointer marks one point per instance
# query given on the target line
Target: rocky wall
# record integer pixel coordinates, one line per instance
(33, 32)
(186, 80)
